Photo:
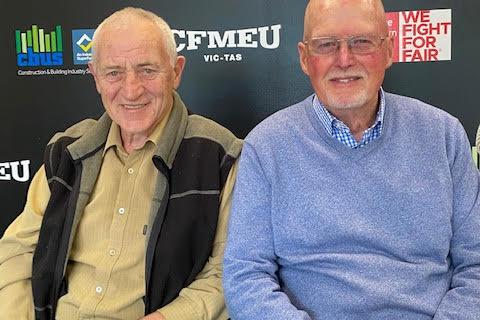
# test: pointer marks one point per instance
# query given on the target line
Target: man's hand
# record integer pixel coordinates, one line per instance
(154, 316)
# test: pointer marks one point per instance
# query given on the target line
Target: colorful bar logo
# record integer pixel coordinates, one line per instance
(37, 47)
(423, 35)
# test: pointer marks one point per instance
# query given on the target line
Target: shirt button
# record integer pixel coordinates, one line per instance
(130, 170)
(99, 289)
(111, 252)
(121, 210)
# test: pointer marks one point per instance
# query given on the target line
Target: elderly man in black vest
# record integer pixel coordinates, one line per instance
(126, 218)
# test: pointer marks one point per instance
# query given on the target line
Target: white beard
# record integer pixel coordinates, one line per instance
(355, 100)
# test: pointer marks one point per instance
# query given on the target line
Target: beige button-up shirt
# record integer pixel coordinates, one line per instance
(106, 268)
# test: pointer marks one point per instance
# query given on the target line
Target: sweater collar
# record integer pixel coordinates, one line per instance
(167, 144)
(329, 121)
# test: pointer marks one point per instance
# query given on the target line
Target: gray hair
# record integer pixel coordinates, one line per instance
(129, 12)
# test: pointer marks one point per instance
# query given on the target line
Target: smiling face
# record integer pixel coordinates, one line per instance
(134, 75)
(343, 80)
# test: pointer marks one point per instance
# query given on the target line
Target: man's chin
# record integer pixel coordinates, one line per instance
(346, 101)
(344, 105)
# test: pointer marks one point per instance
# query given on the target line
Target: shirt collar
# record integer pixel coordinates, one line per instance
(115, 140)
(328, 120)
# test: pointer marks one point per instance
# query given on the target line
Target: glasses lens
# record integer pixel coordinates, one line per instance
(363, 44)
(357, 44)
(323, 45)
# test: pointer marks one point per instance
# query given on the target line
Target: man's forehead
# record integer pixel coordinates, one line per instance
(132, 59)
(140, 46)
(132, 46)
(325, 4)
(343, 25)
(132, 34)
(130, 31)
(332, 15)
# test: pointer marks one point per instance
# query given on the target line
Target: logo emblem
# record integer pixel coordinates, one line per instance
(423, 35)
(88, 42)
(82, 45)
(37, 47)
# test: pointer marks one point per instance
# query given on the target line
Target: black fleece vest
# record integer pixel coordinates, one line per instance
(182, 233)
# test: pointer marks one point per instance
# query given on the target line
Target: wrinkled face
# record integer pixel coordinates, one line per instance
(135, 76)
(343, 80)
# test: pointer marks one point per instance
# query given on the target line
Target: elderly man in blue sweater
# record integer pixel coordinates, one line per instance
(354, 203)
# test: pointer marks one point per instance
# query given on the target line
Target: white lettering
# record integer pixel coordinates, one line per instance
(211, 57)
(242, 38)
(275, 36)
(26, 172)
(181, 35)
(3, 172)
(245, 38)
(14, 170)
(227, 57)
(195, 38)
(215, 40)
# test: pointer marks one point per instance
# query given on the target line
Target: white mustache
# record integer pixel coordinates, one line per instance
(350, 74)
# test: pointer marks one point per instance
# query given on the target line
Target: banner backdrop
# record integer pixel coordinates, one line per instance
(242, 65)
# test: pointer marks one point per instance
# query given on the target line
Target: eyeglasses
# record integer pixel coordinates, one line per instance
(357, 44)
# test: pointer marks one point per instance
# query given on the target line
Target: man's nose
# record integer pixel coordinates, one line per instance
(133, 85)
(344, 55)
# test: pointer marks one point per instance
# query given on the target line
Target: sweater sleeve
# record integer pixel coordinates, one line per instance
(462, 300)
(203, 298)
(252, 289)
(16, 252)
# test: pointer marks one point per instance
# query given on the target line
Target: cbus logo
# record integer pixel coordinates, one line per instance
(36, 47)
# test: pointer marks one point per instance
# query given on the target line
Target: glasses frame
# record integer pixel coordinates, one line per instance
(348, 41)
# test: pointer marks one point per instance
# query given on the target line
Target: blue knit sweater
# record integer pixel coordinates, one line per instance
(388, 231)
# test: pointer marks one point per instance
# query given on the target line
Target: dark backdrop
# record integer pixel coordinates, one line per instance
(237, 94)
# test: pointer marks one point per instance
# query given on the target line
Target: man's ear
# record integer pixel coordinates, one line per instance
(178, 69)
(390, 45)
(93, 71)
(303, 56)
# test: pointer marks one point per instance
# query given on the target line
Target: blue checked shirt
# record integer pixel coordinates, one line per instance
(341, 132)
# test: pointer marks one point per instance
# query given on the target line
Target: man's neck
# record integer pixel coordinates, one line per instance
(132, 142)
(357, 120)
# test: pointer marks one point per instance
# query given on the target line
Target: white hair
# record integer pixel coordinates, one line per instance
(129, 12)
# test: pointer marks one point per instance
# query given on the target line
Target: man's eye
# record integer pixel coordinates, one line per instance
(148, 73)
(113, 75)
(329, 43)
(326, 44)
(361, 41)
